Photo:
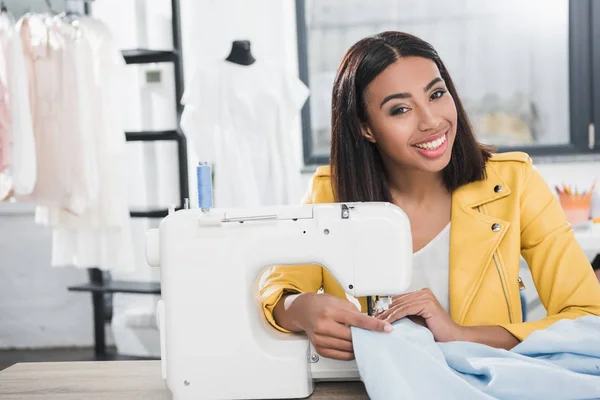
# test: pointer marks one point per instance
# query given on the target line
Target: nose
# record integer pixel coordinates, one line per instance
(428, 119)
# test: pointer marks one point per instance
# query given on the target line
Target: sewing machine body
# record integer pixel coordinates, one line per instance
(215, 340)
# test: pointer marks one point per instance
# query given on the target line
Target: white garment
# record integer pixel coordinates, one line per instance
(24, 161)
(5, 120)
(20, 176)
(241, 119)
(101, 236)
(76, 75)
(431, 266)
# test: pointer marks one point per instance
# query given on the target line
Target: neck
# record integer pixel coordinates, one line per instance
(241, 53)
(415, 186)
(240, 57)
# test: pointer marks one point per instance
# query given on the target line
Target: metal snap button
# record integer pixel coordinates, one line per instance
(495, 227)
(497, 188)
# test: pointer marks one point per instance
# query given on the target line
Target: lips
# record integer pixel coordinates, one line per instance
(433, 144)
(433, 141)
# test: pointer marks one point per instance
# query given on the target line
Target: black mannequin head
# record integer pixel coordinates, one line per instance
(240, 53)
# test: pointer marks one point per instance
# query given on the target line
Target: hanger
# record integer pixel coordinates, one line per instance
(6, 18)
(50, 8)
(70, 15)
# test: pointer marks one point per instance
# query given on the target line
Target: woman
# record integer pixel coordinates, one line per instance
(400, 134)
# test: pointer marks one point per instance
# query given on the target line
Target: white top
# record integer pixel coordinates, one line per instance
(241, 119)
(431, 265)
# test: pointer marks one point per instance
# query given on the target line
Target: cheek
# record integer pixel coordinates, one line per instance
(447, 110)
(393, 132)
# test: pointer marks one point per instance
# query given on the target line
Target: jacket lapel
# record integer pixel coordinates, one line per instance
(473, 240)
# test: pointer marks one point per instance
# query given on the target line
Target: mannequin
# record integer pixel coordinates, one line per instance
(240, 53)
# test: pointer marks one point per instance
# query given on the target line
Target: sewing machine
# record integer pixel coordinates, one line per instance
(215, 340)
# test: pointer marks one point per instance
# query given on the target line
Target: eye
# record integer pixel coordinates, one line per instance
(438, 93)
(400, 110)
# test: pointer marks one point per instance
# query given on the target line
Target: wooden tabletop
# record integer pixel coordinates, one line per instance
(124, 380)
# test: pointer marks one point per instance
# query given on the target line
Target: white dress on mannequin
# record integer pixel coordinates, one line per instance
(240, 119)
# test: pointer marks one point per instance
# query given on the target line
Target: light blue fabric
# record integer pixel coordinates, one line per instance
(560, 362)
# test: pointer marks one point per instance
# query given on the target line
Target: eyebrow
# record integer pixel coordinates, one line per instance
(407, 95)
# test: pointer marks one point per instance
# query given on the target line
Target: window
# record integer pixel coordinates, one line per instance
(521, 67)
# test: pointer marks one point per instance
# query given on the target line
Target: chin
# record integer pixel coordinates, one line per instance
(436, 165)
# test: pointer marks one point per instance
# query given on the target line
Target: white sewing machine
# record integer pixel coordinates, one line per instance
(215, 340)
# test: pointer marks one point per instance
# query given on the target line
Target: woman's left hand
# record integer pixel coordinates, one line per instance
(423, 304)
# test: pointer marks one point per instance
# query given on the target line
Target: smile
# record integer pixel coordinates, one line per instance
(433, 144)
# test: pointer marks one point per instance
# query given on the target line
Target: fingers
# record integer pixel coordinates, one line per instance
(335, 354)
(417, 308)
(333, 329)
(425, 292)
(332, 343)
(407, 298)
(366, 322)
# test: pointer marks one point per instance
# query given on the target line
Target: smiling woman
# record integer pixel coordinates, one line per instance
(400, 134)
(394, 90)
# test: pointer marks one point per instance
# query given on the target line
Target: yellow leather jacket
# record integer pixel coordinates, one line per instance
(484, 262)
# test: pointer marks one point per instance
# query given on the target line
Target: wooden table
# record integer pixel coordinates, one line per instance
(123, 380)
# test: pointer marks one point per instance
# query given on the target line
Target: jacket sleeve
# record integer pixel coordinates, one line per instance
(279, 280)
(562, 274)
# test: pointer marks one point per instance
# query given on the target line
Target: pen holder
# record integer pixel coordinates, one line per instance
(577, 208)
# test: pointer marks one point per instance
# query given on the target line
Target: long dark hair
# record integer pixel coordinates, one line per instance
(356, 165)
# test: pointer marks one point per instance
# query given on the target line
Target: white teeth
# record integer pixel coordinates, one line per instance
(433, 144)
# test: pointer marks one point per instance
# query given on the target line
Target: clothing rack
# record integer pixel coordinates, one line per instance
(100, 285)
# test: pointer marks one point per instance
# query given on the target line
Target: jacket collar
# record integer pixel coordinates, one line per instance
(473, 242)
(493, 187)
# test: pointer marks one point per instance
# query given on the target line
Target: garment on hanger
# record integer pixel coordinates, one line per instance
(5, 117)
(73, 72)
(241, 120)
(66, 175)
(17, 146)
(101, 235)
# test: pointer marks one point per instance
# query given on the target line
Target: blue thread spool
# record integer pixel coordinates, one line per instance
(205, 192)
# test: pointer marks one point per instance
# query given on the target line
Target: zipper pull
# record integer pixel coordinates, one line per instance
(521, 284)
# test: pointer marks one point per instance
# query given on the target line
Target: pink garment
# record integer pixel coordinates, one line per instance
(43, 51)
(5, 119)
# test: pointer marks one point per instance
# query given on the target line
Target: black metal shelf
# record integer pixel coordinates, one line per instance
(149, 214)
(145, 56)
(118, 287)
(151, 136)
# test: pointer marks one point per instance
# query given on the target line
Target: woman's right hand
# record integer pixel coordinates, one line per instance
(326, 319)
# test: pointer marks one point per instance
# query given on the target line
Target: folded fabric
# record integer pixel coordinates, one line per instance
(560, 362)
